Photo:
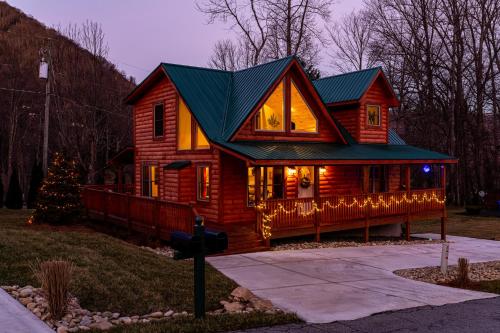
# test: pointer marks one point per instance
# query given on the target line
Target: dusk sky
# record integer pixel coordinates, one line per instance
(141, 34)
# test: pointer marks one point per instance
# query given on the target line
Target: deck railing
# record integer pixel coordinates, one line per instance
(142, 214)
(343, 210)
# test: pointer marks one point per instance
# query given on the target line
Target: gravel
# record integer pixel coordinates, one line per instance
(485, 271)
(334, 244)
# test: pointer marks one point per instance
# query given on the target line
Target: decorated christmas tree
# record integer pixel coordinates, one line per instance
(58, 200)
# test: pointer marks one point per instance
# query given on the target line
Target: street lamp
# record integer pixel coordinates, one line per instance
(43, 73)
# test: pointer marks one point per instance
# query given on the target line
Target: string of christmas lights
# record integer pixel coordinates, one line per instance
(267, 217)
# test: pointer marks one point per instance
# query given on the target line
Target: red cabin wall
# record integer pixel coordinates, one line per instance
(340, 180)
(175, 185)
(378, 95)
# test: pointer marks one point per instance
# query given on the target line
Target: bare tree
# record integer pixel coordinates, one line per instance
(226, 56)
(351, 38)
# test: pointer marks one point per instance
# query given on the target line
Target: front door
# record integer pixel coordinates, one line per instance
(305, 182)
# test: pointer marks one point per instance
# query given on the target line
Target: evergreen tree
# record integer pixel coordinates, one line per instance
(35, 183)
(58, 199)
(14, 199)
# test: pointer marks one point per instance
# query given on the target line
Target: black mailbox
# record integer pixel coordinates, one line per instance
(215, 241)
(185, 243)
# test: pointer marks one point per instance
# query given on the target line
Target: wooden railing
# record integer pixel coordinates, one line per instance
(146, 215)
(343, 210)
(120, 188)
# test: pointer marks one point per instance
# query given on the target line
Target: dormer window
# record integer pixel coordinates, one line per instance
(373, 115)
(189, 134)
(271, 116)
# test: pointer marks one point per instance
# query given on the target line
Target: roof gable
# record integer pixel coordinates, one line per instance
(248, 87)
(208, 106)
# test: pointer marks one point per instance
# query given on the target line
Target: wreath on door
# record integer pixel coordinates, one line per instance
(305, 178)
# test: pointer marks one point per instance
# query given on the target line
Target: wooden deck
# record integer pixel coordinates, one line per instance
(275, 218)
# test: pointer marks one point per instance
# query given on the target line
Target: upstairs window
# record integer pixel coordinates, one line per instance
(203, 181)
(158, 120)
(183, 127)
(150, 180)
(303, 119)
(373, 115)
(201, 139)
(271, 117)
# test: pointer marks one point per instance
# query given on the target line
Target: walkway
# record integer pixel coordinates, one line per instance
(326, 285)
(15, 318)
(474, 316)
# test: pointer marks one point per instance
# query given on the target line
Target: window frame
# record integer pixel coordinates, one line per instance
(155, 136)
(292, 82)
(284, 92)
(194, 127)
(148, 165)
(199, 166)
(378, 106)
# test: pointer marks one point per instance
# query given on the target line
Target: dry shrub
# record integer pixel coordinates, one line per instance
(55, 278)
(462, 279)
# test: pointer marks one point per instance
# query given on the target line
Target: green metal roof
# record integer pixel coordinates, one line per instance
(271, 150)
(222, 100)
(345, 87)
(394, 138)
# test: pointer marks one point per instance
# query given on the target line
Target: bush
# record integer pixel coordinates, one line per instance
(14, 199)
(58, 200)
(462, 279)
(35, 183)
(55, 278)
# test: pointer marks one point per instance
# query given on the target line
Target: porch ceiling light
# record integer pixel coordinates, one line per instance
(292, 171)
(322, 170)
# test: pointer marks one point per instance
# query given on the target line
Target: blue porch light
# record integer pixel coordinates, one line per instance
(426, 168)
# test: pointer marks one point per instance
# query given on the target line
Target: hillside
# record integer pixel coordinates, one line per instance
(88, 119)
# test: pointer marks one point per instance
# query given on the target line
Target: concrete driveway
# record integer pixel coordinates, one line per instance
(326, 285)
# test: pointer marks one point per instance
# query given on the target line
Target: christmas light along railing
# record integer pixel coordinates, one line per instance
(379, 203)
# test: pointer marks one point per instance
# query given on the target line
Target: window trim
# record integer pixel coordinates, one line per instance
(198, 167)
(284, 92)
(148, 165)
(154, 120)
(292, 82)
(379, 115)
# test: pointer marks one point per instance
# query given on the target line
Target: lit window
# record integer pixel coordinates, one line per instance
(158, 120)
(150, 181)
(203, 180)
(271, 182)
(271, 117)
(251, 187)
(183, 127)
(303, 120)
(373, 115)
(201, 139)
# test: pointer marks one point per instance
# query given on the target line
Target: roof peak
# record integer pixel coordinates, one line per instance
(196, 67)
(264, 63)
(349, 73)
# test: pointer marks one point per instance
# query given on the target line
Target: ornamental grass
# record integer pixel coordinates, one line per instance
(55, 277)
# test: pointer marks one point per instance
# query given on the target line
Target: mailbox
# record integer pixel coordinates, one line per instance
(215, 241)
(185, 243)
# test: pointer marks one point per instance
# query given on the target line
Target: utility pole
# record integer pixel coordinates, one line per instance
(45, 74)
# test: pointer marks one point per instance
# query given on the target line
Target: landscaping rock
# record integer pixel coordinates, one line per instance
(62, 329)
(261, 304)
(233, 307)
(242, 294)
(102, 325)
(169, 313)
(26, 300)
(157, 314)
(126, 320)
(25, 292)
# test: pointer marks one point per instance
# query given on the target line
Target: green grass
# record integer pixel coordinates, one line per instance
(487, 286)
(111, 275)
(460, 224)
(220, 323)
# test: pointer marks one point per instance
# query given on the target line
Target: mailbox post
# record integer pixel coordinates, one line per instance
(197, 246)
(199, 270)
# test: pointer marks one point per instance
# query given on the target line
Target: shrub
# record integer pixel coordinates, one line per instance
(462, 279)
(55, 278)
(14, 199)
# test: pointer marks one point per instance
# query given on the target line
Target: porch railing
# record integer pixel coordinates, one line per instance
(145, 215)
(343, 210)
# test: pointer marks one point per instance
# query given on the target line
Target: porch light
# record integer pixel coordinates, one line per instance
(292, 171)
(322, 171)
(426, 168)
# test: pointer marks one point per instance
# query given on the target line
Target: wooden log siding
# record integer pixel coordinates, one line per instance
(174, 185)
(145, 215)
(338, 213)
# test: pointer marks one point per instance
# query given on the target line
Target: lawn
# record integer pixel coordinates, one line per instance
(460, 224)
(113, 275)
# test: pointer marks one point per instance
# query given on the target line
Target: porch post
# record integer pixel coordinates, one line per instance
(408, 194)
(444, 218)
(257, 198)
(317, 216)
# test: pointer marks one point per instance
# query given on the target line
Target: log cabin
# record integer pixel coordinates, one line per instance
(266, 153)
